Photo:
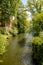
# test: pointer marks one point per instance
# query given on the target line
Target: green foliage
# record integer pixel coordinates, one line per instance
(22, 23)
(41, 34)
(3, 43)
(37, 22)
(8, 8)
(37, 47)
(2, 30)
(35, 6)
(23, 26)
(13, 31)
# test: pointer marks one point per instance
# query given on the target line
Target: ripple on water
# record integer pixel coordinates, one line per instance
(26, 59)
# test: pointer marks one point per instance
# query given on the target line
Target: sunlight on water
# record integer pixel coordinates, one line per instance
(1, 61)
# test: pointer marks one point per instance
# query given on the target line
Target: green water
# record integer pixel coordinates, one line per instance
(18, 52)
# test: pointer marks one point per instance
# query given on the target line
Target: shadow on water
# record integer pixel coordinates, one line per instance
(22, 42)
(1, 59)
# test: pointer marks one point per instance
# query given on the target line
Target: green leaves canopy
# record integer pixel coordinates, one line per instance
(35, 6)
(8, 8)
(37, 23)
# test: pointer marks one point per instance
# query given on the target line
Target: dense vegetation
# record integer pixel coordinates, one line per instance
(37, 43)
(37, 30)
(37, 22)
(3, 43)
(13, 21)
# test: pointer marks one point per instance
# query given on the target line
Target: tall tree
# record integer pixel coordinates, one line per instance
(8, 8)
(35, 6)
(22, 18)
(37, 22)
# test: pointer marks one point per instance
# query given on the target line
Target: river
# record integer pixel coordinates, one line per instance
(19, 51)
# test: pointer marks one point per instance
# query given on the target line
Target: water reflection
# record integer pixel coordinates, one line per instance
(26, 59)
(18, 52)
(22, 42)
(1, 60)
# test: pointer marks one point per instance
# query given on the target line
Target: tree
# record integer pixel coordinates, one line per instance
(22, 22)
(21, 18)
(37, 22)
(8, 8)
(35, 6)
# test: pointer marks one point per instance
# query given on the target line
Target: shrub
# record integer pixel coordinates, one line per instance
(13, 31)
(37, 47)
(2, 30)
(3, 43)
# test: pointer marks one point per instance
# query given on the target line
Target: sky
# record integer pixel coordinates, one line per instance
(24, 1)
(29, 14)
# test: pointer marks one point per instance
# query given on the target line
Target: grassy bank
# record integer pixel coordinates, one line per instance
(3, 43)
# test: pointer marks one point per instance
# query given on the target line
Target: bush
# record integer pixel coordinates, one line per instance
(2, 30)
(13, 31)
(37, 47)
(3, 43)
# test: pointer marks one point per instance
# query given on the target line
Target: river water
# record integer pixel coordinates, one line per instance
(19, 51)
